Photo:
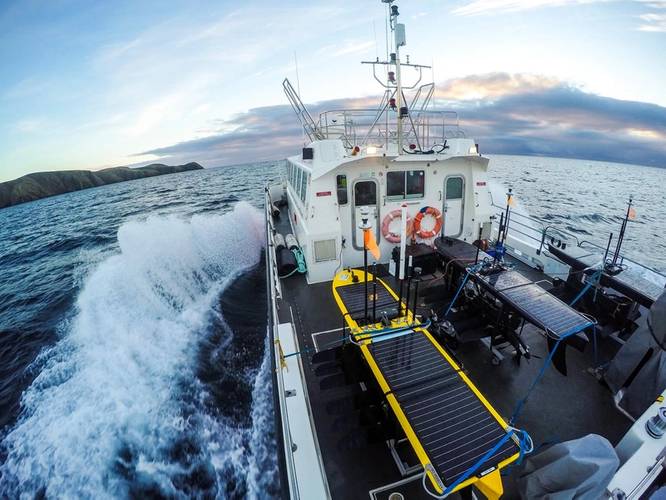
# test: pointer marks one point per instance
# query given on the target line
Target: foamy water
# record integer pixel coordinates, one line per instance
(103, 416)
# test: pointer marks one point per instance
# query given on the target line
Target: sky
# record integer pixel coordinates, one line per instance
(87, 85)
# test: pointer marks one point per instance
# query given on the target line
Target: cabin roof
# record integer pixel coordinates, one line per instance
(330, 154)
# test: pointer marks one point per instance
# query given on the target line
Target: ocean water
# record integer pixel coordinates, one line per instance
(125, 368)
(132, 324)
(588, 199)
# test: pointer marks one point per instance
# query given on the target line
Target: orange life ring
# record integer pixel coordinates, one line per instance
(435, 214)
(386, 232)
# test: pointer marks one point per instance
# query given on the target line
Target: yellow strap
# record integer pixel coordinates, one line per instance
(283, 361)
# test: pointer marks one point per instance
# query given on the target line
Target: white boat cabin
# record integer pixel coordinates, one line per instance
(327, 190)
(373, 161)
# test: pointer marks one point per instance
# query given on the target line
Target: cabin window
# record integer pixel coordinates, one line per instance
(365, 193)
(395, 184)
(341, 188)
(304, 186)
(407, 184)
(454, 188)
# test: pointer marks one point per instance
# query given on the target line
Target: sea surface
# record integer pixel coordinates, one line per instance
(132, 324)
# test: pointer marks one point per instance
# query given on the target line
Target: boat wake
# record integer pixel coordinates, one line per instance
(143, 395)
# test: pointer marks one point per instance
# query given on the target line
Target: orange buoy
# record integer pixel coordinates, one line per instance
(435, 214)
(386, 231)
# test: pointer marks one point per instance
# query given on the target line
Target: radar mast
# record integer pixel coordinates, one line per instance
(394, 78)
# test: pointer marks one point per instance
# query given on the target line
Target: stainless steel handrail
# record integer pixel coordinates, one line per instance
(562, 235)
(364, 126)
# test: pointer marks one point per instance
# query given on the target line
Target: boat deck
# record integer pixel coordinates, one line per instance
(356, 463)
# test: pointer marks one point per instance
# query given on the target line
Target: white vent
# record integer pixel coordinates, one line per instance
(324, 250)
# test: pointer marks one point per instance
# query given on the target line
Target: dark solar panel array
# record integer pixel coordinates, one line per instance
(453, 426)
(536, 304)
(530, 300)
(505, 280)
(546, 310)
(353, 297)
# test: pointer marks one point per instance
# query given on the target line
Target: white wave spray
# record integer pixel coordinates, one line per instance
(106, 412)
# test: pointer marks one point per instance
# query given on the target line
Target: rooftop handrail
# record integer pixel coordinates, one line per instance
(367, 126)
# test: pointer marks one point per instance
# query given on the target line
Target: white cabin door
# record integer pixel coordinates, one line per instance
(364, 194)
(454, 203)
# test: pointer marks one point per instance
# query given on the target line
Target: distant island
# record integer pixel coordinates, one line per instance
(43, 184)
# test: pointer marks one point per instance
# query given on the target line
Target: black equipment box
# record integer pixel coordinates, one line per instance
(422, 256)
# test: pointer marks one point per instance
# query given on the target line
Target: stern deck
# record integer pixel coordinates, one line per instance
(356, 465)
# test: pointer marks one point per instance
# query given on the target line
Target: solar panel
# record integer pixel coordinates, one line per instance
(452, 424)
(535, 304)
(505, 280)
(546, 310)
(353, 298)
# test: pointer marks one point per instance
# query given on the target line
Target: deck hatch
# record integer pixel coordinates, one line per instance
(452, 424)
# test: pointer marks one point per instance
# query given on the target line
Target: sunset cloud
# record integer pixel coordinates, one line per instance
(512, 114)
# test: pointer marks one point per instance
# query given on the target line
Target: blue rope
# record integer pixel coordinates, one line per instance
(549, 359)
(519, 406)
(387, 331)
(300, 260)
(470, 270)
(523, 443)
(593, 281)
(546, 363)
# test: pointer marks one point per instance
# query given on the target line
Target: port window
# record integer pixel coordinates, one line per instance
(297, 181)
(395, 184)
(304, 186)
(365, 193)
(454, 188)
(405, 184)
(341, 189)
(415, 182)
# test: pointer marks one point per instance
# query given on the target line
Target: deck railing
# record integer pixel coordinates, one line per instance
(541, 235)
(426, 130)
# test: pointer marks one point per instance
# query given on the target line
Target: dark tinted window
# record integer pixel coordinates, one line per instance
(395, 184)
(415, 182)
(410, 184)
(341, 186)
(454, 188)
(304, 186)
(365, 193)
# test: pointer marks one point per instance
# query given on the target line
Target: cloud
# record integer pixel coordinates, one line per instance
(653, 22)
(515, 114)
(492, 85)
(649, 22)
(353, 47)
(494, 6)
(30, 125)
